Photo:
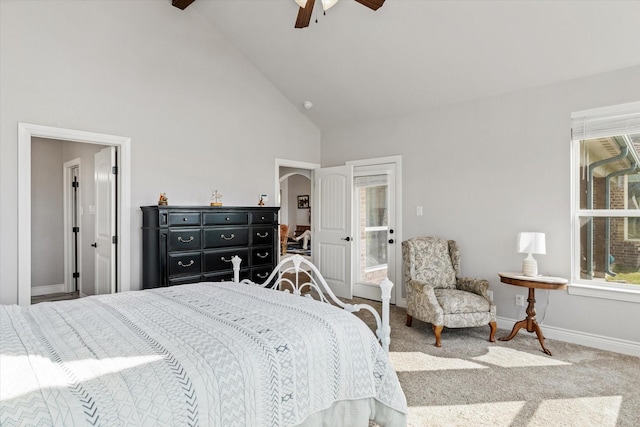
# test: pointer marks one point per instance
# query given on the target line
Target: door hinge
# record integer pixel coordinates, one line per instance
(76, 229)
(114, 239)
(76, 275)
(75, 184)
(114, 170)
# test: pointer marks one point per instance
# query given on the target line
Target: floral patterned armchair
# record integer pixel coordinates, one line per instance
(437, 294)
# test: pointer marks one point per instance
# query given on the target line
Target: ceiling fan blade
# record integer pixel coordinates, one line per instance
(181, 4)
(304, 14)
(372, 4)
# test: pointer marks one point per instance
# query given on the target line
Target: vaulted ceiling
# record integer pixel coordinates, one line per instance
(356, 64)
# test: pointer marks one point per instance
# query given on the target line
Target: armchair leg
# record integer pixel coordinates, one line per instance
(492, 335)
(409, 320)
(437, 330)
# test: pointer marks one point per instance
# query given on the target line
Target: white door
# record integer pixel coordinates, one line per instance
(105, 225)
(375, 235)
(332, 224)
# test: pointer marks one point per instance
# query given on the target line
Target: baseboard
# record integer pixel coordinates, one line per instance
(582, 338)
(36, 291)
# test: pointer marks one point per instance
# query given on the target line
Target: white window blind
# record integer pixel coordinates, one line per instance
(600, 124)
(371, 180)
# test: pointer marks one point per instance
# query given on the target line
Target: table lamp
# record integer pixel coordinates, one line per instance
(530, 243)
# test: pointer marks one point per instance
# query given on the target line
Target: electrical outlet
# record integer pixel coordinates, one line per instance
(520, 300)
(490, 295)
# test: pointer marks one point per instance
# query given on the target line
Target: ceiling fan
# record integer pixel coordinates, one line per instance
(306, 9)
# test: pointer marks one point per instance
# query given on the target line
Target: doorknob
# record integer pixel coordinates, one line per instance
(94, 244)
(390, 240)
(348, 239)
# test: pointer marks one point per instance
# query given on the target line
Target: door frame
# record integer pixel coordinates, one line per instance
(401, 301)
(68, 208)
(26, 131)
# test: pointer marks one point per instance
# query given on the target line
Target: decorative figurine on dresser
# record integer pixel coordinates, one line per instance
(188, 244)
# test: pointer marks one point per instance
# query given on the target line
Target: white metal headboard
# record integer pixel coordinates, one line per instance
(312, 280)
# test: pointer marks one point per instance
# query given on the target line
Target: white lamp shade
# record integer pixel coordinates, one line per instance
(326, 4)
(530, 242)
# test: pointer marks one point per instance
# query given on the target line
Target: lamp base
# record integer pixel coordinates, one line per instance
(529, 267)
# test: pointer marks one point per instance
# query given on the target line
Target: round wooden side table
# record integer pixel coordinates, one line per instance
(533, 283)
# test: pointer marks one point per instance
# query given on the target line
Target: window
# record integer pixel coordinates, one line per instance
(372, 209)
(606, 200)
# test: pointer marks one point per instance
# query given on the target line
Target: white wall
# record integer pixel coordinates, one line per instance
(485, 170)
(199, 115)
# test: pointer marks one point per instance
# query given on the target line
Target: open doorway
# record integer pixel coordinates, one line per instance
(26, 134)
(294, 188)
(295, 211)
(64, 225)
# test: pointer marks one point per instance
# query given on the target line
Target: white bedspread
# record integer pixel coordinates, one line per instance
(203, 354)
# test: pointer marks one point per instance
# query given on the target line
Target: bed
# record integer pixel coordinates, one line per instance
(208, 354)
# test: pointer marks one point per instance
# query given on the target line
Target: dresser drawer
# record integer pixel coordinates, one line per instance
(227, 276)
(222, 218)
(184, 218)
(184, 239)
(181, 280)
(259, 275)
(263, 218)
(220, 237)
(260, 256)
(221, 260)
(262, 235)
(184, 263)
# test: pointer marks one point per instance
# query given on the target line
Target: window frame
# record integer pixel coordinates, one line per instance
(577, 285)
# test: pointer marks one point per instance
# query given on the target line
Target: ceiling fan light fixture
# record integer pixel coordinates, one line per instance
(326, 4)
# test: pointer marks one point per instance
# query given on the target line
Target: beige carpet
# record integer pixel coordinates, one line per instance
(472, 382)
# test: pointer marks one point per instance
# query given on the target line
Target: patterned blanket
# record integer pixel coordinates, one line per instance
(210, 354)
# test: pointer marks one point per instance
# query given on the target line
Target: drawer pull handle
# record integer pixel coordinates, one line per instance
(185, 241)
(266, 254)
(227, 238)
(224, 259)
(185, 219)
(262, 236)
(186, 265)
(262, 276)
(227, 219)
(262, 218)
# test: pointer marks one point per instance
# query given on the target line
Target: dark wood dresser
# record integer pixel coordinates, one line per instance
(187, 244)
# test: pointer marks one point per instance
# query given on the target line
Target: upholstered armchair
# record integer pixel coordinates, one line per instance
(437, 294)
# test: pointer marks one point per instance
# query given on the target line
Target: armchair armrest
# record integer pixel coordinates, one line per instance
(423, 304)
(426, 289)
(474, 285)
